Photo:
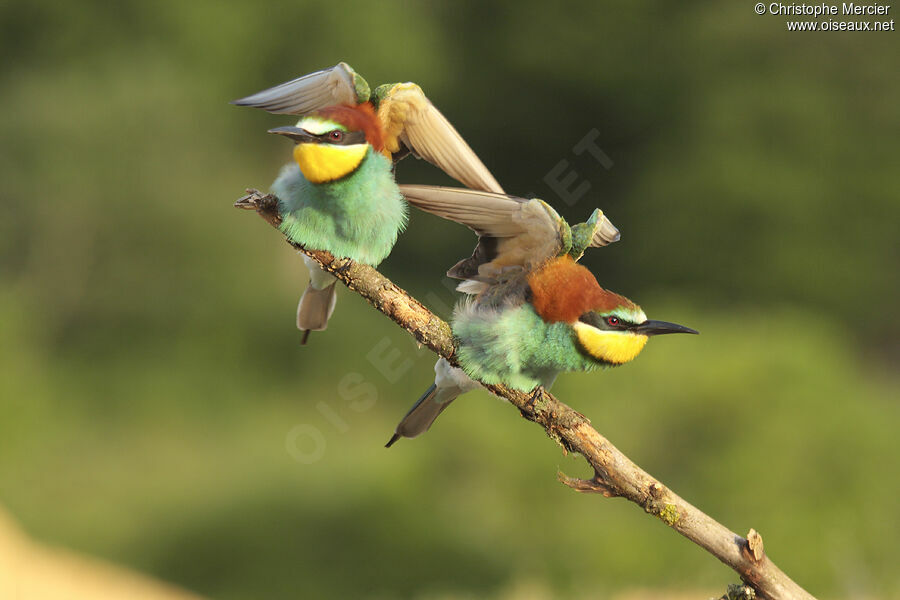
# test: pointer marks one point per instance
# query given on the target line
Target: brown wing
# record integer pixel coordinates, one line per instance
(408, 117)
(513, 233)
(338, 85)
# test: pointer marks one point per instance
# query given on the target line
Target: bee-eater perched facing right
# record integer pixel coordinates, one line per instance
(535, 311)
(340, 194)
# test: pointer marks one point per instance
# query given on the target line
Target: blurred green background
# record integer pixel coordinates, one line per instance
(157, 406)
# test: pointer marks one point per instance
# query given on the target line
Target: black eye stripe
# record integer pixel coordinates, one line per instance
(602, 322)
(592, 319)
(349, 138)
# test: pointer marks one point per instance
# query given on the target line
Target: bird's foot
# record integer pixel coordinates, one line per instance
(536, 395)
(343, 267)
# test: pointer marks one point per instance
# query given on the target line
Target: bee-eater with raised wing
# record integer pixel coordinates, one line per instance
(535, 312)
(339, 194)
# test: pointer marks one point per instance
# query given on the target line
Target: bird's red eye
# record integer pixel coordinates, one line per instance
(612, 321)
(336, 135)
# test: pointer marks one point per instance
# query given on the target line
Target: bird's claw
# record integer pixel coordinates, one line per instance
(344, 267)
(536, 394)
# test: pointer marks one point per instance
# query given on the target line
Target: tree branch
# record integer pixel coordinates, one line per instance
(614, 473)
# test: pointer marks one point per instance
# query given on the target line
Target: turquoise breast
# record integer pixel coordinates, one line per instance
(515, 347)
(358, 216)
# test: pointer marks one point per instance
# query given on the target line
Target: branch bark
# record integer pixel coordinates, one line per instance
(614, 473)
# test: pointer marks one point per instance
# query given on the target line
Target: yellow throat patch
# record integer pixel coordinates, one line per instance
(322, 163)
(613, 347)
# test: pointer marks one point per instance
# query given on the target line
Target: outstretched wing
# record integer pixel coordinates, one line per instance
(407, 116)
(338, 85)
(513, 233)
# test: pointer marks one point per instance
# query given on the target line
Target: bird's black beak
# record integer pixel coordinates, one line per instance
(299, 136)
(661, 327)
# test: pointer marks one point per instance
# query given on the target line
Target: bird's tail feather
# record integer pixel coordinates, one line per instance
(424, 412)
(315, 308)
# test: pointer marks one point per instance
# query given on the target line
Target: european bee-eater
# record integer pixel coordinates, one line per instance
(535, 312)
(339, 194)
